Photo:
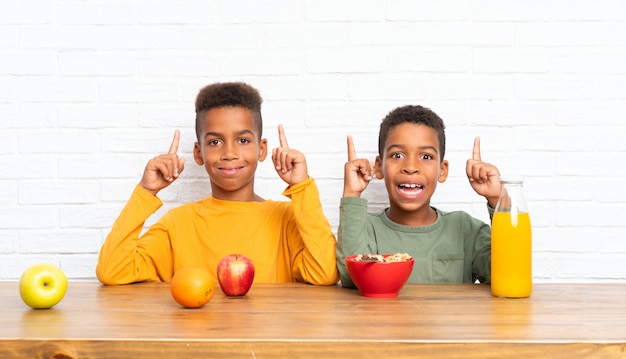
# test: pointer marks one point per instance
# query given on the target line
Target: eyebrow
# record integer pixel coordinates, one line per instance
(240, 133)
(422, 148)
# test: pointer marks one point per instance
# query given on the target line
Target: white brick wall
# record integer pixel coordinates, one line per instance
(90, 90)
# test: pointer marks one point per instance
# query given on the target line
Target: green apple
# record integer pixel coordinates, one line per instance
(42, 286)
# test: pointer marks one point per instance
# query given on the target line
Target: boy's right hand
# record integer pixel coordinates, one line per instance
(357, 173)
(163, 169)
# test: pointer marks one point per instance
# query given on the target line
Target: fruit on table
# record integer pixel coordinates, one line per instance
(192, 287)
(235, 274)
(42, 286)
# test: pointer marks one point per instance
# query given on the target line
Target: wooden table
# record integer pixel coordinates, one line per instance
(303, 321)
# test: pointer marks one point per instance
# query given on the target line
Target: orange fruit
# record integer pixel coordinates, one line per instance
(192, 287)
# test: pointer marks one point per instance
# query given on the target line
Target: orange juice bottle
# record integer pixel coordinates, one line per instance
(511, 243)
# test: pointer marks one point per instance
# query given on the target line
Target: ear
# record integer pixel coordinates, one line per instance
(378, 168)
(443, 171)
(262, 149)
(197, 154)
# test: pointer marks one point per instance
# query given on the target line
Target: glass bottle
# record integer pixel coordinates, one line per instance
(511, 243)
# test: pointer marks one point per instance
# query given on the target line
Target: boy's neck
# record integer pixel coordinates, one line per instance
(422, 217)
(241, 195)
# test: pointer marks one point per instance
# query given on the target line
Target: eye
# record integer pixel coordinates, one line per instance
(427, 156)
(244, 141)
(213, 142)
(396, 155)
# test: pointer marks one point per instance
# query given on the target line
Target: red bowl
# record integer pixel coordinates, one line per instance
(379, 279)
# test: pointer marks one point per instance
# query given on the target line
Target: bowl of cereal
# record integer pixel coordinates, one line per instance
(380, 275)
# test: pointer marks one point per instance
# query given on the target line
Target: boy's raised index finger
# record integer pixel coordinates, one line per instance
(351, 150)
(476, 150)
(175, 143)
(281, 137)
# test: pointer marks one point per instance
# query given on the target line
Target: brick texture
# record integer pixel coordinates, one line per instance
(90, 90)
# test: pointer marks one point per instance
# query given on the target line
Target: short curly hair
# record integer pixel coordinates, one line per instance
(412, 114)
(228, 94)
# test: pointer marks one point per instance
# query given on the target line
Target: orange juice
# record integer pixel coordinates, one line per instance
(511, 255)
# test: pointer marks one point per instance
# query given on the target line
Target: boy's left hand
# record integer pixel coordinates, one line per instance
(290, 164)
(483, 177)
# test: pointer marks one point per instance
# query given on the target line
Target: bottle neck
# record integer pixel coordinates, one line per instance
(512, 198)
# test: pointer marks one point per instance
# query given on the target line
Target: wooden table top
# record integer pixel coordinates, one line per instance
(303, 321)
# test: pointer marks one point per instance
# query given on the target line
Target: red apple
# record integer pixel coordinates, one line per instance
(235, 274)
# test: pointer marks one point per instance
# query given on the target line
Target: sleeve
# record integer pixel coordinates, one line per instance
(481, 263)
(124, 258)
(353, 237)
(490, 210)
(313, 242)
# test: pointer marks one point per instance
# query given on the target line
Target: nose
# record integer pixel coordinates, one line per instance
(229, 152)
(410, 167)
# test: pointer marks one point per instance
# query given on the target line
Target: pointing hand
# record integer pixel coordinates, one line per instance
(357, 173)
(290, 164)
(483, 177)
(163, 169)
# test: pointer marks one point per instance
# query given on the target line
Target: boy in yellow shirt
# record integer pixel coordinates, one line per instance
(287, 241)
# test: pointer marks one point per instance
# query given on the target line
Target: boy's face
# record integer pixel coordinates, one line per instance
(230, 151)
(411, 166)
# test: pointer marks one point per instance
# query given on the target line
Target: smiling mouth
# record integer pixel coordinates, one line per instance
(410, 189)
(230, 171)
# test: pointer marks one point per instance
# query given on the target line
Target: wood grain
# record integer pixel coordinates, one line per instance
(303, 321)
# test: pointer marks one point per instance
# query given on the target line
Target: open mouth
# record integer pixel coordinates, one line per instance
(410, 189)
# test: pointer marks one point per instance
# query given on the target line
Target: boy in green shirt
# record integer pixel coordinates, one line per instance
(446, 246)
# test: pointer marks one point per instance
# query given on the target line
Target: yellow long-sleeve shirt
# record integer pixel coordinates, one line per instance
(287, 241)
